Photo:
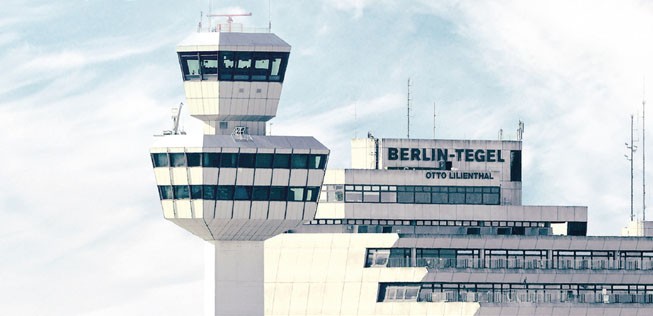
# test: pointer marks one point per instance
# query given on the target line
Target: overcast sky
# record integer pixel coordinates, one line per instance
(85, 85)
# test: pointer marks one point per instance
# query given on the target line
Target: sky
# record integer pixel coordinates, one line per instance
(86, 84)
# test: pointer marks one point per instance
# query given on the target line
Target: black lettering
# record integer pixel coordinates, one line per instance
(490, 155)
(392, 153)
(479, 155)
(469, 155)
(414, 154)
(459, 153)
(499, 158)
(404, 153)
(442, 154)
(424, 156)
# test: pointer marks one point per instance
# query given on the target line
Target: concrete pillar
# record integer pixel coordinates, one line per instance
(236, 279)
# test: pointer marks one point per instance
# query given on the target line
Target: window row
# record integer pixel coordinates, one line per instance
(239, 160)
(426, 222)
(234, 66)
(408, 194)
(238, 193)
(516, 293)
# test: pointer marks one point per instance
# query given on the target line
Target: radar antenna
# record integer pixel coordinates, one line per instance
(230, 19)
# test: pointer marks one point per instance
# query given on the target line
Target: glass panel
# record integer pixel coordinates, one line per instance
(439, 198)
(423, 197)
(196, 192)
(181, 191)
(261, 67)
(299, 161)
(389, 197)
(209, 192)
(190, 65)
(211, 160)
(261, 193)
(243, 66)
(311, 194)
(282, 161)
(317, 161)
(229, 160)
(474, 198)
(246, 160)
(264, 160)
(243, 193)
(209, 64)
(165, 192)
(353, 196)
(457, 198)
(194, 159)
(371, 197)
(225, 193)
(295, 194)
(160, 160)
(278, 193)
(177, 160)
(405, 197)
(226, 65)
(491, 199)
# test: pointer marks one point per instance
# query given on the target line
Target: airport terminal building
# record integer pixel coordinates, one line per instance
(414, 227)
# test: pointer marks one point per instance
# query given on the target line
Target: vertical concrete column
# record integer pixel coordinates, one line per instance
(238, 278)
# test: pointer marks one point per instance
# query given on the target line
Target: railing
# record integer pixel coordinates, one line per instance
(534, 296)
(530, 264)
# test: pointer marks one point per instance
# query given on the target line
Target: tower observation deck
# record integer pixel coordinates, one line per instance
(234, 186)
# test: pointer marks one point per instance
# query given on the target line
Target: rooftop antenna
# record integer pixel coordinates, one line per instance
(434, 115)
(269, 16)
(632, 149)
(229, 17)
(408, 111)
(643, 149)
(355, 122)
(520, 131)
(501, 134)
(199, 25)
(175, 115)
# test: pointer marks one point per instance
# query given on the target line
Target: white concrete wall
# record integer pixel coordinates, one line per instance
(324, 274)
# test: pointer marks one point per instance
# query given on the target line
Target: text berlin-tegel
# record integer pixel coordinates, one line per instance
(442, 154)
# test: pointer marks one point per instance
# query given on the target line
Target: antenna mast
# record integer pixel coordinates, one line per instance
(632, 149)
(408, 111)
(434, 115)
(644, 149)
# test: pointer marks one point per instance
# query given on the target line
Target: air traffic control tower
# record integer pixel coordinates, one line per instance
(234, 186)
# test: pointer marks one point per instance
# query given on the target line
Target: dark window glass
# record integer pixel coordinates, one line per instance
(439, 198)
(225, 193)
(229, 160)
(196, 192)
(316, 161)
(226, 65)
(577, 228)
(261, 67)
(474, 198)
(160, 160)
(278, 193)
(504, 231)
(518, 230)
(456, 198)
(299, 161)
(211, 160)
(243, 66)
(209, 65)
(473, 231)
(278, 68)
(209, 192)
(181, 191)
(515, 165)
(264, 160)
(177, 160)
(282, 161)
(491, 199)
(190, 65)
(194, 159)
(165, 192)
(423, 197)
(246, 160)
(312, 193)
(405, 197)
(260, 193)
(243, 193)
(295, 194)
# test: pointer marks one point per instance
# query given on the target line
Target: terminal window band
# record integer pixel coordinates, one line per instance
(234, 66)
(408, 194)
(238, 193)
(240, 160)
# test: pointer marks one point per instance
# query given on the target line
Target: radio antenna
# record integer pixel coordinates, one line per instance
(408, 111)
(434, 115)
(632, 149)
(269, 16)
(644, 149)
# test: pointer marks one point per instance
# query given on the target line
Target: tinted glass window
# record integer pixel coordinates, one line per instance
(312, 193)
(299, 161)
(264, 160)
(282, 161)
(211, 160)
(226, 65)
(423, 197)
(209, 192)
(194, 159)
(317, 161)
(278, 193)
(190, 65)
(246, 160)
(243, 66)
(165, 192)
(260, 193)
(261, 67)
(243, 193)
(177, 159)
(225, 192)
(196, 192)
(181, 192)
(457, 198)
(229, 160)
(160, 160)
(474, 198)
(405, 197)
(295, 194)
(209, 65)
(491, 199)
